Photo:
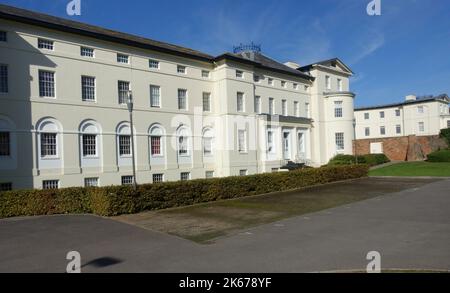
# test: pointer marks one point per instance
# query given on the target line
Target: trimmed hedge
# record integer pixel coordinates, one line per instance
(369, 159)
(439, 156)
(445, 134)
(116, 200)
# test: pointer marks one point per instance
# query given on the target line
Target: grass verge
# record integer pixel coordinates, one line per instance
(414, 169)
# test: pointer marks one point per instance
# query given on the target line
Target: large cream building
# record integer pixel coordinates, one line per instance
(64, 120)
(418, 116)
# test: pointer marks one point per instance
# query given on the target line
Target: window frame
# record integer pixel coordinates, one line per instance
(338, 139)
(5, 146)
(46, 44)
(47, 86)
(121, 58)
(338, 109)
(122, 93)
(153, 61)
(87, 179)
(240, 102)
(4, 78)
(156, 175)
(91, 89)
(3, 36)
(206, 97)
(181, 69)
(122, 147)
(84, 50)
(125, 178)
(242, 144)
(152, 104)
(46, 156)
(85, 147)
(257, 105)
(51, 183)
(284, 108)
(186, 106)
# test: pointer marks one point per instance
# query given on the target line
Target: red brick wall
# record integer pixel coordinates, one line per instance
(404, 148)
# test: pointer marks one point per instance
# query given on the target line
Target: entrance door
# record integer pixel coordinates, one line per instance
(286, 146)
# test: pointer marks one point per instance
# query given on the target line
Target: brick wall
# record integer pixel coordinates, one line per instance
(404, 148)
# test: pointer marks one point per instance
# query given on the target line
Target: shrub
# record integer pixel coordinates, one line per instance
(345, 160)
(439, 156)
(376, 159)
(369, 159)
(445, 134)
(116, 200)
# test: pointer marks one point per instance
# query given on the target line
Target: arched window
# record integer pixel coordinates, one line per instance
(183, 141)
(49, 136)
(89, 136)
(156, 141)
(208, 138)
(124, 139)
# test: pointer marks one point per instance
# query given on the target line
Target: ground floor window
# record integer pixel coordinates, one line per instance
(339, 136)
(209, 174)
(91, 182)
(184, 176)
(243, 172)
(5, 186)
(158, 178)
(127, 180)
(50, 184)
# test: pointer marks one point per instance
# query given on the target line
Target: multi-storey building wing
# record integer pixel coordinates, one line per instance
(64, 121)
(420, 116)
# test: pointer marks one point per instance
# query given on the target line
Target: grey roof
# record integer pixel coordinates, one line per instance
(419, 100)
(324, 62)
(264, 62)
(69, 26)
(40, 19)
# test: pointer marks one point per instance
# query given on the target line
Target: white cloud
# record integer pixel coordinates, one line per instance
(374, 42)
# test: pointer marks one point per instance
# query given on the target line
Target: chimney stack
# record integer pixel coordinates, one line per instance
(411, 98)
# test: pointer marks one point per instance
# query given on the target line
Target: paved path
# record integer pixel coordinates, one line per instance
(411, 229)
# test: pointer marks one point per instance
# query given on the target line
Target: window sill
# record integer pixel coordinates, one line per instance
(91, 157)
(50, 158)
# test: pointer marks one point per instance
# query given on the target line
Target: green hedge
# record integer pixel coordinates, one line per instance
(445, 134)
(116, 200)
(369, 159)
(439, 156)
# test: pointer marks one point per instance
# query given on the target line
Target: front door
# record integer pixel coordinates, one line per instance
(286, 146)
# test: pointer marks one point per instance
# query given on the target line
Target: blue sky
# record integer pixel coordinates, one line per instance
(404, 51)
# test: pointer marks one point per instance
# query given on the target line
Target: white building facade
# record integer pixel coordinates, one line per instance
(64, 119)
(420, 116)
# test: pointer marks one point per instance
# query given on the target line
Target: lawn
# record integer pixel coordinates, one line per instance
(414, 169)
(204, 222)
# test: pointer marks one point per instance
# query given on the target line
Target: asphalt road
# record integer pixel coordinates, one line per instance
(410, 229)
